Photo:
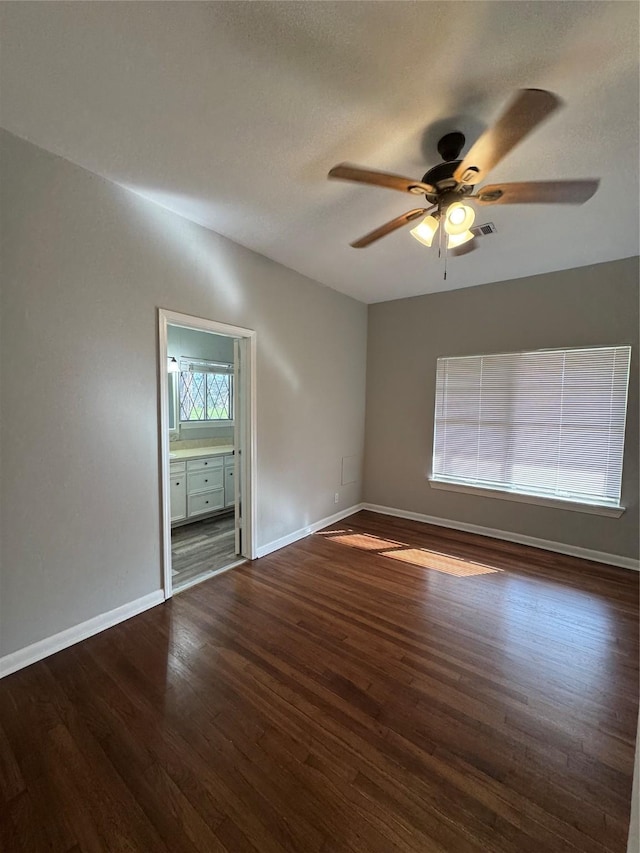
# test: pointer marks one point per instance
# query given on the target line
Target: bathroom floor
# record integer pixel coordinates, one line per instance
(201, 547)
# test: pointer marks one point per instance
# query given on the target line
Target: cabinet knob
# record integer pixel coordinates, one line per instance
(206, 502)
(206, 481)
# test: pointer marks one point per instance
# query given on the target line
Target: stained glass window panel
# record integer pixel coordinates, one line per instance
(218, 397)
(205, 396)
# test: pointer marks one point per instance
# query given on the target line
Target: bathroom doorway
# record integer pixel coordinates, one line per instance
(207, 431)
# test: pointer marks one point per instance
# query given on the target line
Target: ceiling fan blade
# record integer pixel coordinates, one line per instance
(537, 192)
(388, 227)
(347, 172)
(526, 111)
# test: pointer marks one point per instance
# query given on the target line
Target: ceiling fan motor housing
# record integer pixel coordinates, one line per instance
(441, 176)
(447, 188)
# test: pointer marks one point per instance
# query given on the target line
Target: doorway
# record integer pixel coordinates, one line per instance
(207, 447)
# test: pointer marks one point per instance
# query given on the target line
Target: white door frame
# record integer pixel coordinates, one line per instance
(247, 486)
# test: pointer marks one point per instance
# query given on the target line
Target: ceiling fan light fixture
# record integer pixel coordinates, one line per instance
(456, 216)
(426, 230)
(459, 218)
(456, 240)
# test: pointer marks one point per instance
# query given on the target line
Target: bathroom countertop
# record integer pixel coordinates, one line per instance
(199, 452)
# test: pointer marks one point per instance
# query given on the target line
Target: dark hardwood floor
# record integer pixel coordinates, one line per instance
(382, 686)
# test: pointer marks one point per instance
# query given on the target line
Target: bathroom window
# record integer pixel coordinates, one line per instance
(205, 392)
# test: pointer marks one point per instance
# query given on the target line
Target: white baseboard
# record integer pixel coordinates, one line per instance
(43, 648)
(545, 544)
(290, 538)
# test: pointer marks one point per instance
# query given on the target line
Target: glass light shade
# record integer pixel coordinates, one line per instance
(456, 240)
(173, 366)
(426, 230)
(459, 218)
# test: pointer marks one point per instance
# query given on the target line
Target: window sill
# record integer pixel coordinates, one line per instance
(557, 503)
(187, 425)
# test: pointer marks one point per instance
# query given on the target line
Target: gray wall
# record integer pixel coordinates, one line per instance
(590, 305)
(193, 344)
(85, 266)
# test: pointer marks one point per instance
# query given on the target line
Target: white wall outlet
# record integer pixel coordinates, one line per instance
(336, 497)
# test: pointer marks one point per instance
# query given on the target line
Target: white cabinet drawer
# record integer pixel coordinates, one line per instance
(206, 502)
(206, 463)
(177, 468)
(205, 481)
(178, 496)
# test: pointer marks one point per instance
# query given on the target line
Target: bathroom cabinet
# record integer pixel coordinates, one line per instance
(201, 485)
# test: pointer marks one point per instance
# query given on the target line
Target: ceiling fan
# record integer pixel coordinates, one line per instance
(449, 185)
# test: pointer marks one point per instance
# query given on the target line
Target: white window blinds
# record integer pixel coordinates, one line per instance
(548, 423)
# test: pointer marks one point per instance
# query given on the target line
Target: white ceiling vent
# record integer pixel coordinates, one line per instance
(484, 230)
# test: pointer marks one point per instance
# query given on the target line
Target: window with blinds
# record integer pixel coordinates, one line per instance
(549, 423)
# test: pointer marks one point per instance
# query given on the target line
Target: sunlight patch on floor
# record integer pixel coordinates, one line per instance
(440, 562)
(365, 541)
(421, 557)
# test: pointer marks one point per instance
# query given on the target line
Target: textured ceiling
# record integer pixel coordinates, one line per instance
(232, 113)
